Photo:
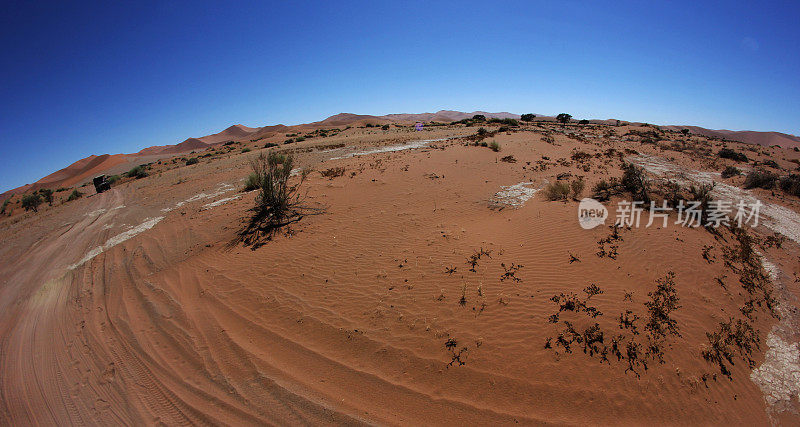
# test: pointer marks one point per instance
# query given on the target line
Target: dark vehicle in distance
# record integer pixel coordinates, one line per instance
(101, 183)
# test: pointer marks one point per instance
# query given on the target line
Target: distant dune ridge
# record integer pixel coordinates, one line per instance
(93, 165)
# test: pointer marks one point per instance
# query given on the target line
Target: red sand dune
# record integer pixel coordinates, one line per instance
(83, 168)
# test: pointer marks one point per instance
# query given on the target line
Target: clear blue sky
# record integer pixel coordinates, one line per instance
(114, 77)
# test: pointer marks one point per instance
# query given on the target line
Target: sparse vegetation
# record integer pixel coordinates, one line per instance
(663, 301)
(31, 202)
(730, 171)
(333, 172)
(277, 203)
(47, 195)
(563, 118)
(527, 117)
(727, 153)
(494, 146)
(791, 184)
(577, 188)
(252, 182)
(760, 178)
(191, 161)
(557, 191)
(75, 195)
(137, 172)
(634, 180)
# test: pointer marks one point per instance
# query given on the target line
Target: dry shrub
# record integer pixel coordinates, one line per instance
(557, 191)
(277, 203)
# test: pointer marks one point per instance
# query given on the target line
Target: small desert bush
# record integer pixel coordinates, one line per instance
(270, 144)
(192, 161)
(577, 187)
(494, 146)
(760, 179)
(137, 172)
(791, 184)
(727, 153)
(771, 163)
(557, 191)
(47, 195)
(333, 172)
(385, 127)
(75, 195)
(277, 203)
(31, 202)
(251, 183)
(603, 190)
(702, 194)
(300, 139)
(112, 179)
(635, 181)
(731, 171)
(5, 206)
(482, 131)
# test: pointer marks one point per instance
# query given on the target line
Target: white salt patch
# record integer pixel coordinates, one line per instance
(219, 202)
(390, 148)
(119, 238)
(774, 217)
(221, 189)
(515, 195)
(779, 376)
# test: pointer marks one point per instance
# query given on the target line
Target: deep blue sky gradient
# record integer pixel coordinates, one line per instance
(114, 77)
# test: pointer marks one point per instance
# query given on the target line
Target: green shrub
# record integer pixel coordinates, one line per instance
(289, 141)
(47, 195)
(31, 202)
(246, 150)
(479, 118)
(300, 139)
(771, 163)
(112, 179)
(385, 127)
(277, 203)
(761, 179)
(727, 153)
(482, 131)
(527, 117)
(583, 122)
(494, 146)
(702, 194)
(634, 180)
(563, 118)
(510, 122)
(603, 190)
(252, 182)
(731, 171)
(557, 191)
(5, 205)
(192, 161)
(791, 184)
(270, 144)
(137, 172)
(577, 187)
(75, 195)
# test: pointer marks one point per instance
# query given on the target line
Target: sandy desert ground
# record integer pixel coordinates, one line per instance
(439, 286)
